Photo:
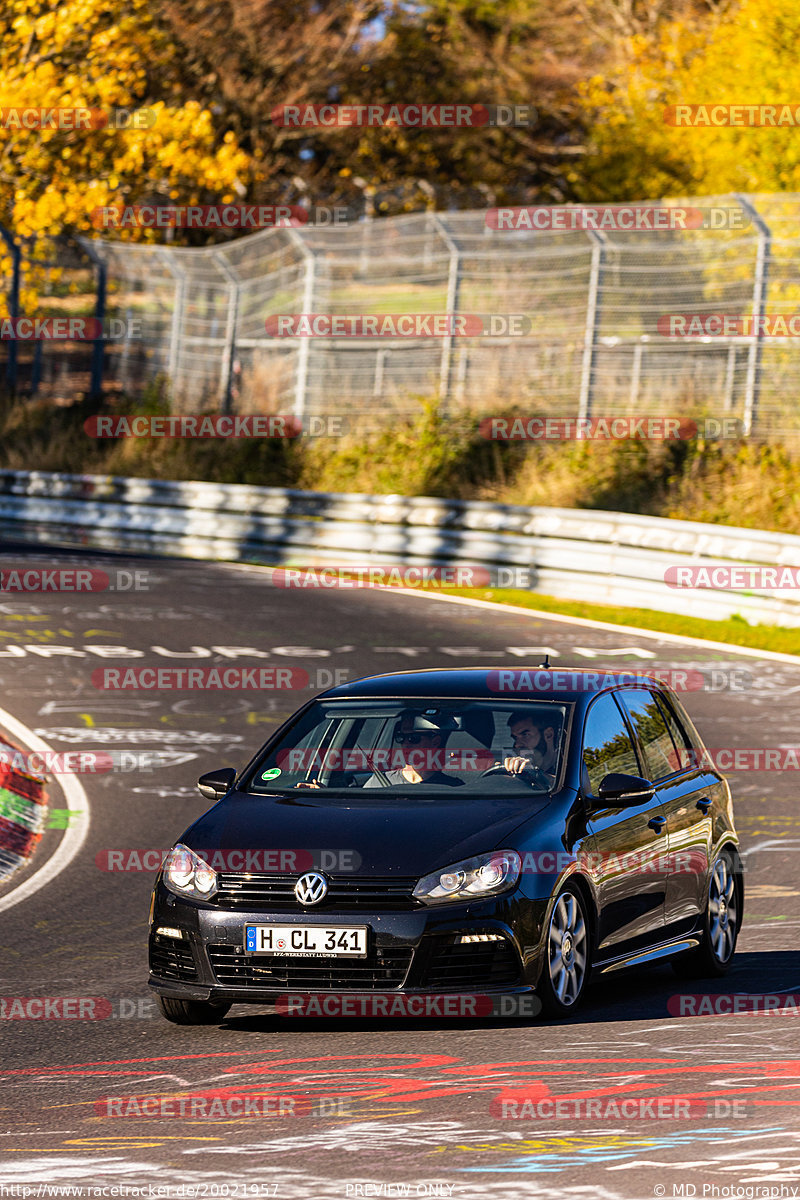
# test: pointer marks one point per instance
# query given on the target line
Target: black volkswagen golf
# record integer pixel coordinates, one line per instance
(453, 832)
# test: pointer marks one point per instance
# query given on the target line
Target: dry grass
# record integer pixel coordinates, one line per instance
(734, 483)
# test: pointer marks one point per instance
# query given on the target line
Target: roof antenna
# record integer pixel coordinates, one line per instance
(546, 664)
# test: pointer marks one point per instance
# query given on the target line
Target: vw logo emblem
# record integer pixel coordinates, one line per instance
(311, 888)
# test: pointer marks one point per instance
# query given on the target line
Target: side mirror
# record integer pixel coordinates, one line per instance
(620, 790)
(216, 783)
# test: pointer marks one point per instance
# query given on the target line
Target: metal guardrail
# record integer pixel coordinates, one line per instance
(601, 557)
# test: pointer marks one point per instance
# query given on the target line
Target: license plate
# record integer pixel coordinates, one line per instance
(307, 941)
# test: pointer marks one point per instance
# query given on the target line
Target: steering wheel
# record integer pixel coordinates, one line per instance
(535, 776)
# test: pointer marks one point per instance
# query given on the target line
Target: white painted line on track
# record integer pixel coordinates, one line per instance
(78, 802)
(790, 843)
(585, 622)
(74, 836)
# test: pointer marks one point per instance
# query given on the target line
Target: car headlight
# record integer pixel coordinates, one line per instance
(484, 875)
(187, 874)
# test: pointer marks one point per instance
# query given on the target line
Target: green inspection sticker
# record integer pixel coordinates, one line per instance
(272, 773)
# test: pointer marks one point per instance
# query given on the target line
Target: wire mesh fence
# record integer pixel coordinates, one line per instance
(63, 279)
(596, 303)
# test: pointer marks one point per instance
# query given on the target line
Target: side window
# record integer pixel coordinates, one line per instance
(661, 757)
(688, 755)
(607, 745)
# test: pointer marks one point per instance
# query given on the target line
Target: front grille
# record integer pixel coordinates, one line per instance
(171, 958)
(379, 971)
(473, 966)
(276, 892)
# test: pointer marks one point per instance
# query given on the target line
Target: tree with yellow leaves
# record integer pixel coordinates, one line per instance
(743, 55)
(99, 55)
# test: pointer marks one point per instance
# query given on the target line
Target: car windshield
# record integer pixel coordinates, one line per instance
(417, 746)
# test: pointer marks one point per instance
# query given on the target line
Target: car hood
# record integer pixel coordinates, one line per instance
(407, 836)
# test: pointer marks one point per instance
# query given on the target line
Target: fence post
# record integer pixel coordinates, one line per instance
(380, 367)
(226, 368)
(36, 368)
(760, 283)
(98, 345)
(636, 372)
(461, 376)
(179, 275)
(592, 323)
(453, 286)
(730, 375)
(304, 349)
(13, 307)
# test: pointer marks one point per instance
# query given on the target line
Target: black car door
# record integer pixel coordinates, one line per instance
(686, 791)
(629, 860)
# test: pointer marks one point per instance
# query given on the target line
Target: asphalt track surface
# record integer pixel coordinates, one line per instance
(400, 1107)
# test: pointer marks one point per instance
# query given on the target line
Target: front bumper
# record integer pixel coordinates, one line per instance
(410, 952)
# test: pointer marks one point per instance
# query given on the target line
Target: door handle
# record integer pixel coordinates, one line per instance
(704, 804)
(657, 823)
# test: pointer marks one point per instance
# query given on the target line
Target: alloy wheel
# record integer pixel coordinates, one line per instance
(567, 949)
(722, 910)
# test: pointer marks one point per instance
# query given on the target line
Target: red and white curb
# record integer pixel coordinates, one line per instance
(23, 807)
(26, 806)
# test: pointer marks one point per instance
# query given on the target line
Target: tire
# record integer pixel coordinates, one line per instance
(723, 919)
(564, 975)
(191, 1012)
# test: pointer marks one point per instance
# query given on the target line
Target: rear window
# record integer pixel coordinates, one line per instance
(690, 749)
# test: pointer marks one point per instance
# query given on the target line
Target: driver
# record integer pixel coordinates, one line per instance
(535, 742)
(421, 738)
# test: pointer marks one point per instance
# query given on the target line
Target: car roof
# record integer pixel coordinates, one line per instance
(524, 683)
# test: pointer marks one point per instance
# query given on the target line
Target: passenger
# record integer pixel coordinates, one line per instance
(422, 738)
